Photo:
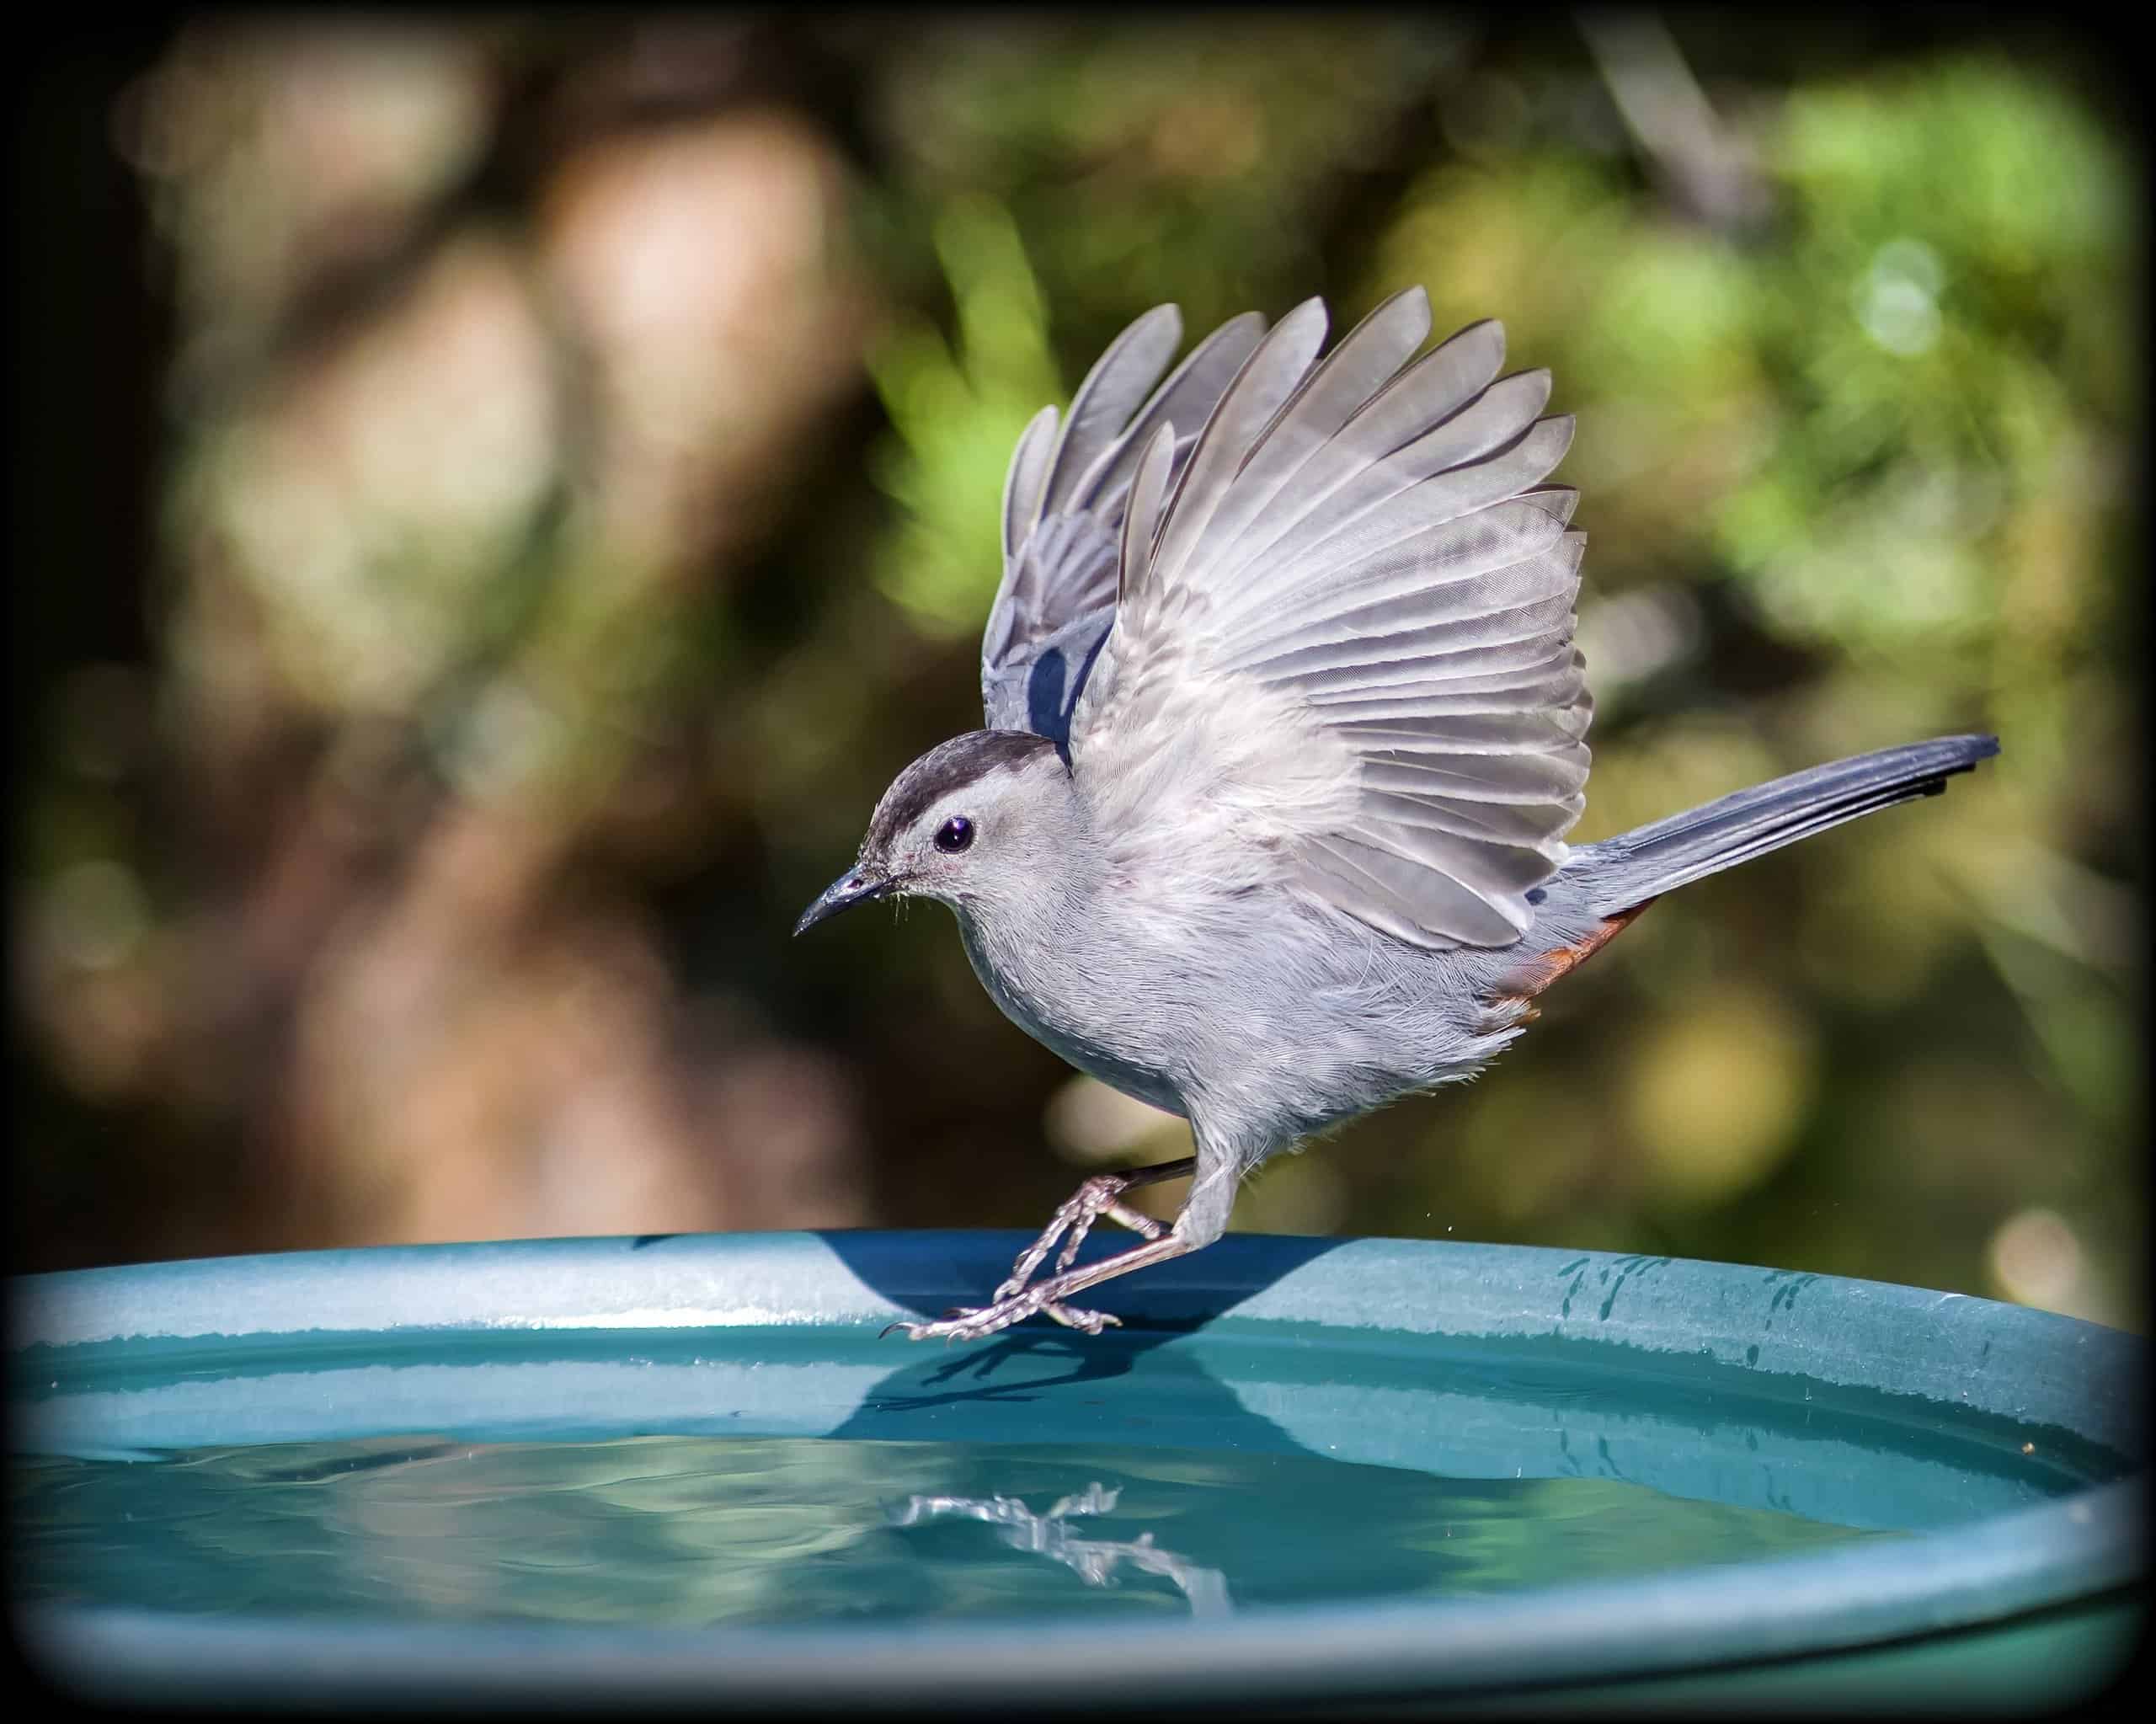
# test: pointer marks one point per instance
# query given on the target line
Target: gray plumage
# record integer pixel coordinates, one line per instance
(1286, 727)
(1656, 858)
(1063, 507)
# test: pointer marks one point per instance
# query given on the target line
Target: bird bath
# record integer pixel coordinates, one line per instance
(1307, 1472)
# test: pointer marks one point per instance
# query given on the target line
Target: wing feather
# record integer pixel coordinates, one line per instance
(1427, 392)
(1363, 361)
(1267, 378)
(1141, 518)
(1023, 484)
(1063, 501)
(1113, 391)
(1352, 627)
(1365, 503)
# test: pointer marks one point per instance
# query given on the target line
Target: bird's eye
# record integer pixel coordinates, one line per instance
(954, 834)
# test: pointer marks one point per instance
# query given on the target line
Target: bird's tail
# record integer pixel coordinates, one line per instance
(1650, 860)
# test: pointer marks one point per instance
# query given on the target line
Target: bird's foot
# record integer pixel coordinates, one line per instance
(1101, 1195)
(972, 1325)
(1045, 1299)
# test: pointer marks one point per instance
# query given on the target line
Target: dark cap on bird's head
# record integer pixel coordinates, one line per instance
(948, 766)
(930, 781)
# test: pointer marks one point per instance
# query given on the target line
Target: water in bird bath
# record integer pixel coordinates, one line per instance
(665, 1480)
(698, 1530)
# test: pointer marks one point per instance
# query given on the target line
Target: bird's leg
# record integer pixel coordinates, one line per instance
(1099, 1196)
(1217, 1170)
(1045, 1298)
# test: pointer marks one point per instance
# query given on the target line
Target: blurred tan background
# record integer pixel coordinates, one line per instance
(498, 501)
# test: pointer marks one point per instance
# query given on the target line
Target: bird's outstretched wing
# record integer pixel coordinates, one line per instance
(1343, 647)
(1063, 508)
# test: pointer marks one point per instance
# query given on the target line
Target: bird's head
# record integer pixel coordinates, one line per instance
(969, 820)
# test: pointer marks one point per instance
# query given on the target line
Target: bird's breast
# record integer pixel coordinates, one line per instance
(1054, 1004)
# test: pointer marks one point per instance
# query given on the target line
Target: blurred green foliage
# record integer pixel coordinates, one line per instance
(955, 418)
(580, 496)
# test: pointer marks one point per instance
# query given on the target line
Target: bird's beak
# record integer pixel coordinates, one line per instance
(858, 885)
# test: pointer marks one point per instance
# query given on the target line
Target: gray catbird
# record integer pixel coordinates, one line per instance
(1286, 727)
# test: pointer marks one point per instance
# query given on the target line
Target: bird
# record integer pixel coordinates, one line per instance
(1285, 728)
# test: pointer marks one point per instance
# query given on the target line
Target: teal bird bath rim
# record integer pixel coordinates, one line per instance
(1307, 1472)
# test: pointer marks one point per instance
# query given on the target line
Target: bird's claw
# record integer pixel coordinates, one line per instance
(1101, 1195)
(972, 1325)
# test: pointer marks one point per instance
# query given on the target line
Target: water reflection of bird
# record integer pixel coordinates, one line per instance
(1094, 1560)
